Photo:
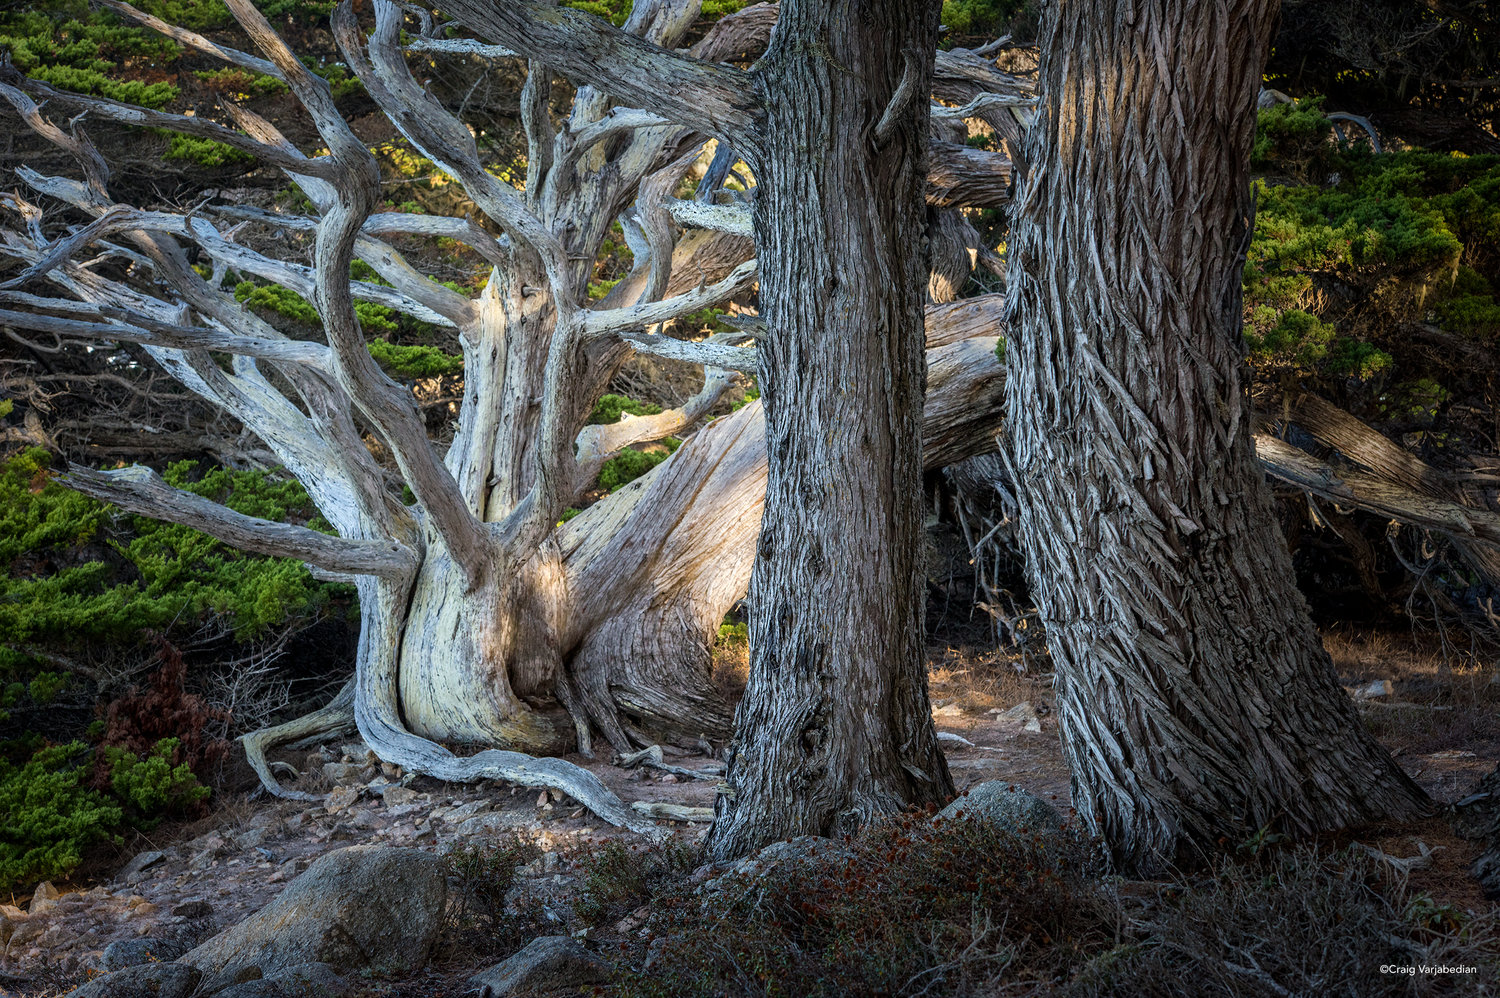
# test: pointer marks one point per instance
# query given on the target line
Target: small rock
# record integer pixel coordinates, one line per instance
(633, 921)
(213, 843)
(139, 863)
(194, 908)
(1021, 713)
(364, 820)
(43, 899)
(395, 796)
(133, 952)
(998, 802)
(149, 980)
(482, 825)
(549, 962)
(306, 980)
(466, 811)
(948, 710)
(346, 773)
(250, 838)
(342, 797)
(1372, 691)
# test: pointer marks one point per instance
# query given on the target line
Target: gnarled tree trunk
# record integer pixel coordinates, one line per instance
(486, 623)
(835, 726)
(1195, 698)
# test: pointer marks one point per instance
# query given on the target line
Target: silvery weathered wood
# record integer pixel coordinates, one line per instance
(484, 621)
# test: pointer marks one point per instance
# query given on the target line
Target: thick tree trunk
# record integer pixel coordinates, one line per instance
(835, 726)
(1195, 699)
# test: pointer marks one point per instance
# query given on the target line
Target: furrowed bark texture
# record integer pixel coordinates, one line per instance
(1195, 699)
(835, 726)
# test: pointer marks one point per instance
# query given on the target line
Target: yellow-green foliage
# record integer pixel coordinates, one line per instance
(614, 11)
(414, 361)
(610, 407)
(48, 817)
(630, 464)
(1335, 267)
(205, 152)
(74, 47)
(976, 17)
(275, 298)
(151, 786)
(408, 361)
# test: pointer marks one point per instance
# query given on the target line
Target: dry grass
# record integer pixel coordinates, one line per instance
(957, 909)
(1306, 921)
(1442, 719)
(979, 680)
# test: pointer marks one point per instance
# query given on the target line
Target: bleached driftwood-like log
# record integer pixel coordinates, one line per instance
(1377, 494)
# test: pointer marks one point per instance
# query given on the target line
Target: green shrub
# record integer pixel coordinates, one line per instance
(1293, 138)
(274, 298)
(610, 407)
(980, 17)
(1340, 271)
(205, 152)
(616, 12)
(413, 362)
(151, 785)
(630, 464)
(48, 817)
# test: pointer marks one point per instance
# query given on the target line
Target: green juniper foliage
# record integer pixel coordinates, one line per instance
(1357, 257)
(72, 46)
(78, 577)
(151, 786)
(48, 816)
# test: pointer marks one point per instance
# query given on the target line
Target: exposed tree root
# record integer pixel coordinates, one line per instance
(338, 715)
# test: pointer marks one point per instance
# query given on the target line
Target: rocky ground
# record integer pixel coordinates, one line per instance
(182, 889)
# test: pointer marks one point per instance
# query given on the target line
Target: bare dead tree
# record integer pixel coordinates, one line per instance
(485, 622)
